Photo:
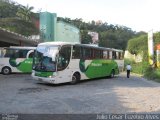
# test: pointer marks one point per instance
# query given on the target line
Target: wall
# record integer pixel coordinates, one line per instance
(67, 32)
(51, 30)
(136, 58)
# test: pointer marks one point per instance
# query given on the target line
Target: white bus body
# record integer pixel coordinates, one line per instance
(60, 62)
(16, 59)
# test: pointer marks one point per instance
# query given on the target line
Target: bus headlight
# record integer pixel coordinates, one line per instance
(51, 76)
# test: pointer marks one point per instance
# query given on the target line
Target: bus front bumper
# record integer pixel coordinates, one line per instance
(43, 79)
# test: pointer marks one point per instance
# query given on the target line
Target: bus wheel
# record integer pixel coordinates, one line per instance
(6, 70)
(75, 79)
(112, 74)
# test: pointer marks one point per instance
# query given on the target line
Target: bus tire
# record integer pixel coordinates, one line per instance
(112, 74)
(75, 79)
(6, 70)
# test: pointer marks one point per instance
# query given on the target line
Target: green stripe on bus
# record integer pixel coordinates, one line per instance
(98, 68)
(24, 66)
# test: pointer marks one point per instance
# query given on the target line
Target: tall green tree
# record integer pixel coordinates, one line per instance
(25, 13)
(85, 38)
(138, 44)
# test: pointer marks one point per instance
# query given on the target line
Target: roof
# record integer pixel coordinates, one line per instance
(12, 37)
(82, 45)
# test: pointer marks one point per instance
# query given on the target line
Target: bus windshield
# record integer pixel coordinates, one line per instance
(45, 58)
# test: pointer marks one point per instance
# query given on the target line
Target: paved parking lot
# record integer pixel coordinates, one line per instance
(20, 94)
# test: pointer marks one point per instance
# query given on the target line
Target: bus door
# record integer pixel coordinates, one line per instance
(63, 60)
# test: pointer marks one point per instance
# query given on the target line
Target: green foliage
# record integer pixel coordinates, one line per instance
(140, 68)
(152, 73)
(17, 18)
(85, 38)
(116, 38)
(112, 36)
(128, 61)
(8, 8)
(19, 26)
(24, 13)
(156, 38)
(136, 68)
(138, 44)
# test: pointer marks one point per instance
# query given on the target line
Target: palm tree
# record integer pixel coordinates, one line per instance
(25, 13)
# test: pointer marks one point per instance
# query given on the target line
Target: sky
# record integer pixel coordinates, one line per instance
(139, 15)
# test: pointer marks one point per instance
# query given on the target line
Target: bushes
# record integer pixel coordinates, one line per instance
(19, 26)
(146, 70)
(139, 68)
(138, 45)
(143, 68)
(152, 73)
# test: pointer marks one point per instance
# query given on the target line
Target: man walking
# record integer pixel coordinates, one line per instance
(128, 67)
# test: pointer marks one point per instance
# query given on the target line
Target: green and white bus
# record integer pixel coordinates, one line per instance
(16, 59)
(60, 62)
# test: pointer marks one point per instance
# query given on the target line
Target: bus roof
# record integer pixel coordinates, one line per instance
(97, 47)
(82, 45)
(56, 43)
(22, 47)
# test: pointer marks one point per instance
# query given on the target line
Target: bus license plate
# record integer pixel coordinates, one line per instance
(40, 79)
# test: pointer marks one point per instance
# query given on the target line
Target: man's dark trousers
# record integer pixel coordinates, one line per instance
(128, 73)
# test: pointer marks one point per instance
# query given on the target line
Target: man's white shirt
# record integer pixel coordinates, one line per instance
(128, 67)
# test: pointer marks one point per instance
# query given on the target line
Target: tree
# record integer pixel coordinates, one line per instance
(138, 44)
(8, 8)
(85, 38)
(25, 13)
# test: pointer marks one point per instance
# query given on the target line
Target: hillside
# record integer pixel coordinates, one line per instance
(21, 19)
(17, 18)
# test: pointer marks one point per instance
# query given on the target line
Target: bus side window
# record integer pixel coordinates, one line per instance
(117, 55)
(97, 54)
(76, 52)
(110, 54)
(14, 53)
(87, 53)
(105, 54)
(113, 55)
(101, 54)
(121, 55)
(20, 54)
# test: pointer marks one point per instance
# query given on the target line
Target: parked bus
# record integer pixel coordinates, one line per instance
(60, 62)
(16, 59)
